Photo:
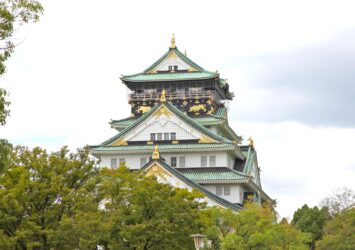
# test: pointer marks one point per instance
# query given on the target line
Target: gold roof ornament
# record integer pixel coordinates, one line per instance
(251, 142)
(155, 155)
(162, 97)
(172, 45)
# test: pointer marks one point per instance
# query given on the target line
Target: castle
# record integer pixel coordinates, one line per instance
(179, 132)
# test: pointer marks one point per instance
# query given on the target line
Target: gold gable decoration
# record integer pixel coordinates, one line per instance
(155, 155)
(162, 111)
(205, 139)
(157, 170)
(120, 142)
(162, 97)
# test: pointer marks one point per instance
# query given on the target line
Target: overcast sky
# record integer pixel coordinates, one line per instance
(291, 65)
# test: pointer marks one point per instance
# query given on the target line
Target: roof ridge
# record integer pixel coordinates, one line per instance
(181, 55)
(209, 194)
(194, 123)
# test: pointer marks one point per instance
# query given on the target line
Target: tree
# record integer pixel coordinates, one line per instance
(342, 199)
(339, 232)
(40, 192)
(13, 14)
(141, 213)
(5, 154)
(254, 228)
(311, 220)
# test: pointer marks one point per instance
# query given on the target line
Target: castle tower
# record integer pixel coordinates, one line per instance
(178, 113)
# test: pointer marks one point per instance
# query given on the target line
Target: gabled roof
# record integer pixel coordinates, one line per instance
(195, 72)
(175, 111)
(219, 117)
(180, 55)
(219, 141)
(220, 201)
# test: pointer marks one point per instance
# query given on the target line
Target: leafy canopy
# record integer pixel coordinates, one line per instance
(252, 228)
(311, 220)
(339, 232)
(13, 14)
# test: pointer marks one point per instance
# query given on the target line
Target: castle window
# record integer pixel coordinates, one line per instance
(114, 163)
(152, 136)
(173, 162)
(122, 161)
(170, 68)
(181, 162)
(159, 136)
(212, 161)
(166, 136)
(143, 161)
(204, 161)
(219, 190)
(175, 67)
(227, 190)
(172, 136)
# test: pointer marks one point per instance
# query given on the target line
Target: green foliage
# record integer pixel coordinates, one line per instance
(61, 200)
(311, 220)
(39, 191)
(252, 228)
(339, 232)
(5, 154)
(4, 104)
(144, 214)
(13, 14)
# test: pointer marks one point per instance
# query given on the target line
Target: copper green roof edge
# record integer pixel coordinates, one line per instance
(181, 55)
(262, 192)
(219, 117)
(178, 113)
(162, 148)
(213, 175)
(191, 122)
(249, 162)
(127, 129)
(209, 194)
(177, 76)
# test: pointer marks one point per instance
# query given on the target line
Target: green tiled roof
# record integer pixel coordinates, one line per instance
(178, 113)
(222, 202)
(177, 76)
(206, 120)
(214, 175)
(133, 149)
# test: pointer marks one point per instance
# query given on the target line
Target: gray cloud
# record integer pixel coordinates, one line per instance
(314, 85)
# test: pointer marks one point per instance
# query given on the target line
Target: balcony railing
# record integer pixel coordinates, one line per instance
(174, 95)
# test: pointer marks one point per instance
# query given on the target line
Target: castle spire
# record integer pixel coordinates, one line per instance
(155, 155)
(172, 45)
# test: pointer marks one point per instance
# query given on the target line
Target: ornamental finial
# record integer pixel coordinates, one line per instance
(251, 142)
(162, 97)
(172, 45)
(155, 155)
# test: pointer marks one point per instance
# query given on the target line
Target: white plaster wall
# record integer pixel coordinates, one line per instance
(192, 160)
(132, 161)
(164, 65)
(236, 195)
